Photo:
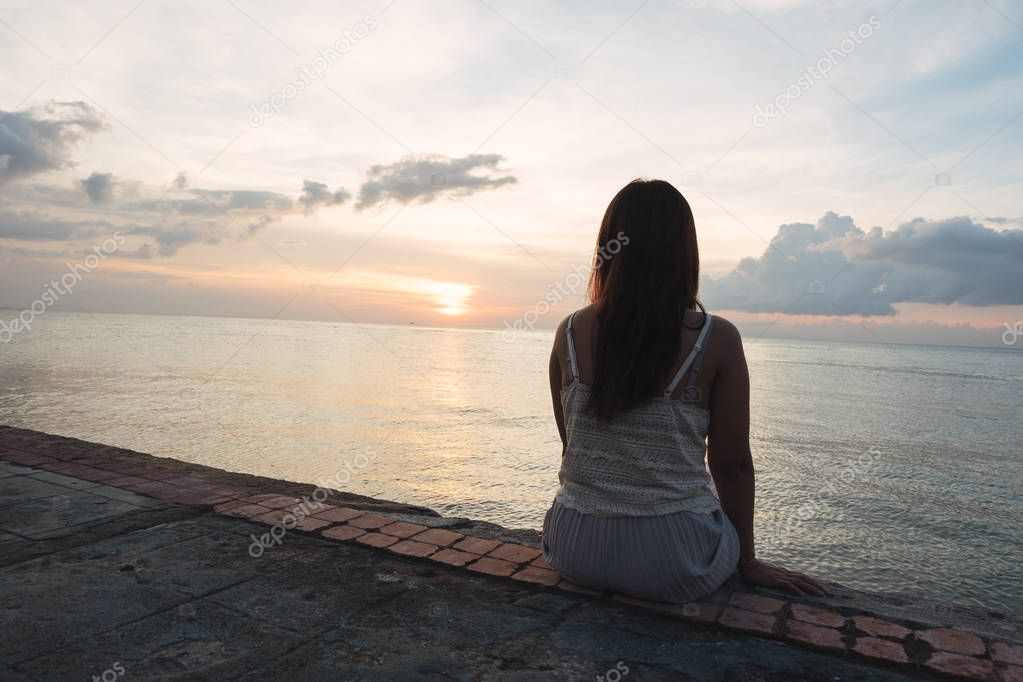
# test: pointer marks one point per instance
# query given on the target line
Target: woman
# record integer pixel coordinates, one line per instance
(645, 382)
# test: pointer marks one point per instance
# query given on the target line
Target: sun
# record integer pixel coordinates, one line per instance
(451, 298)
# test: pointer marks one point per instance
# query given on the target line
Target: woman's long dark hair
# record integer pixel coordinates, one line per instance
(645, 276)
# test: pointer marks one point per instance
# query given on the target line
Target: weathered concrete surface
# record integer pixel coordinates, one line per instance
(184, 600)
(96, 579)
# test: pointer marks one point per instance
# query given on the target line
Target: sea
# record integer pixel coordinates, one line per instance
(888, 468)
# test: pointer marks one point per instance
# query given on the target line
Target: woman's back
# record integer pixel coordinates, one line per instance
(648, 460)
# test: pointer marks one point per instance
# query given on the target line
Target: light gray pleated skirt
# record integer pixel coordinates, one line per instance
(675, 558)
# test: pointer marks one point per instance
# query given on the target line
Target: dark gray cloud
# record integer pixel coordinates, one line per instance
(34, 226)
(836, 268)
(206, 202)
(315, 194)
(99, 187)
(41, 139)
(425, 178)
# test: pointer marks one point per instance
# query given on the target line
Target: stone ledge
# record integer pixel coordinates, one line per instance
(385, 526)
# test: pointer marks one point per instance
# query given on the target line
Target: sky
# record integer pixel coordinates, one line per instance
(853, 168)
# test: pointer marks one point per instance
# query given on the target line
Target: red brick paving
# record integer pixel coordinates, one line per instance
(749, 621)
(540, 576)
(540, 563)
(493, 567)
(125, 481)
(881, 649)
(97, 475)
(191, 497)
(703, 611)
(477, 545)
(413, 548)
(1007, 653)
(517, 554)
(953, 641)
(271, 518)
(880, 628)
(246, 512)
(452, 557)
(376, 539)
(309, 524)
(274, 501)
(721, 596)
(343, 533)
(402, 529)
(1010, 673)
(817, 616)
(814, 635)
(756, 602)
(963, 666)
(439, 537)
(233, 504)
(339, 514)
(371, 521)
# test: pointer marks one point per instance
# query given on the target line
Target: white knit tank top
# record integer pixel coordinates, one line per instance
(648, 461)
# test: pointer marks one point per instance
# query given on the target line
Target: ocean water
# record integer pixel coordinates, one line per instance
(887, 468)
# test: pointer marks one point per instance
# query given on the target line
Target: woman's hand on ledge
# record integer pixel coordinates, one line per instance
(758, 572)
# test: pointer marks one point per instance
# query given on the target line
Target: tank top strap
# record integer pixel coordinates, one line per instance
(573, 361)
(694, 360)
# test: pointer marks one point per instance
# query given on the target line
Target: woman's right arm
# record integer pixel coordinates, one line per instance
(731, 462)
(555, 375)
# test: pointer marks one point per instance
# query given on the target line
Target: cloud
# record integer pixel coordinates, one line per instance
(262, 222)
(41, 139)
(34, 226)
(99, 187)
(835, 268)
(316, 194)
(425, 178)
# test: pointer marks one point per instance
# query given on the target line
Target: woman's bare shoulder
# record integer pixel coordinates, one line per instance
(725, 338)
(583, 316)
